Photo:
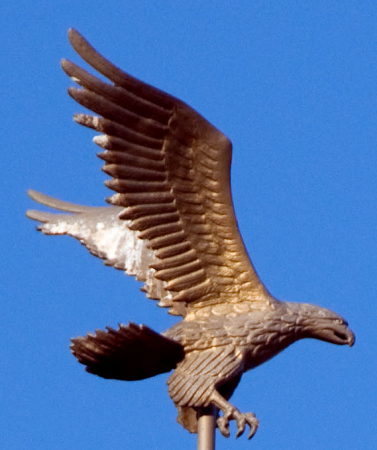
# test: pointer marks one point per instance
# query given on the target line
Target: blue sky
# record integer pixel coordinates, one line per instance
(293, 84)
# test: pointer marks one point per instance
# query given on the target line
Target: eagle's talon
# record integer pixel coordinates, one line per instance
(245, 418)
(241, 422)
(253, 423)
(240, 431)
(242, 419)
(223, 426)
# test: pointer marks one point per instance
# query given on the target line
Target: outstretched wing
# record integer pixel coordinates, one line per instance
(105, 236)
(170, 170)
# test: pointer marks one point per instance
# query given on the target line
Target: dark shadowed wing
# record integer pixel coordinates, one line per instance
(173, 223)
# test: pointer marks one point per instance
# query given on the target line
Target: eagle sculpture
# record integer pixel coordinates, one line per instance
(172, 225)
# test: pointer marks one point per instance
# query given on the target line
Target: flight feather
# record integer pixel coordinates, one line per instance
(170, 170)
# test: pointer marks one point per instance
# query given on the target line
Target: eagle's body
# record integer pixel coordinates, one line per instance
(172, 225)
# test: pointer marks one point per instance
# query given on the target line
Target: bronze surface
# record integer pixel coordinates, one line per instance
(172, 226)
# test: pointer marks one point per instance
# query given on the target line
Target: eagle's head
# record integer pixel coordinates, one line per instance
(321, 323)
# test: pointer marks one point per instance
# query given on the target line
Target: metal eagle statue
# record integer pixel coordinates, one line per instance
(172, 226)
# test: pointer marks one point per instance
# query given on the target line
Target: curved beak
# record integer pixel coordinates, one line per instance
(338, 334)
(343, 335)
(351, 337)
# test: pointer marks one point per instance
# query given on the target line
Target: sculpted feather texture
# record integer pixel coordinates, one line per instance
(172, 226)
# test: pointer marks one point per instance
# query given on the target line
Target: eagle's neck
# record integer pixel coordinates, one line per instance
(270, 338)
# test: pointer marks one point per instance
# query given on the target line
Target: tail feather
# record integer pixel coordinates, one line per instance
(133, 352)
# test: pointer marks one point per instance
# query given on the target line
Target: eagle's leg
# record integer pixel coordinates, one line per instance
(230, 412)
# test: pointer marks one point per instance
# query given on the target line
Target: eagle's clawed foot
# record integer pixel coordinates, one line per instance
(242, 419)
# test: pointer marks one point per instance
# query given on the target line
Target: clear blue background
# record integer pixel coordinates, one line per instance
(294, 85)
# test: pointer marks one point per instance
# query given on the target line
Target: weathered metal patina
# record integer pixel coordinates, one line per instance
(172, 226)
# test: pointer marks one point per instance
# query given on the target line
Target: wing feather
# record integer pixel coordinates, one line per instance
(106, 236)
(170, 171)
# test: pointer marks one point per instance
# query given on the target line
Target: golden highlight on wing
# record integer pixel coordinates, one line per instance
(170, 170)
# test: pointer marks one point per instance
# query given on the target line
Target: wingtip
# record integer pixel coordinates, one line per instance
(73, 34)
(74, 37)
(32, 214)
(64, 63)
(35, 195)
(38, 197)
(30, 192)
(78, 42)
(55, 203)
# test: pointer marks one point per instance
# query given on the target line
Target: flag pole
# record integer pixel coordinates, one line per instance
(206, 427)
